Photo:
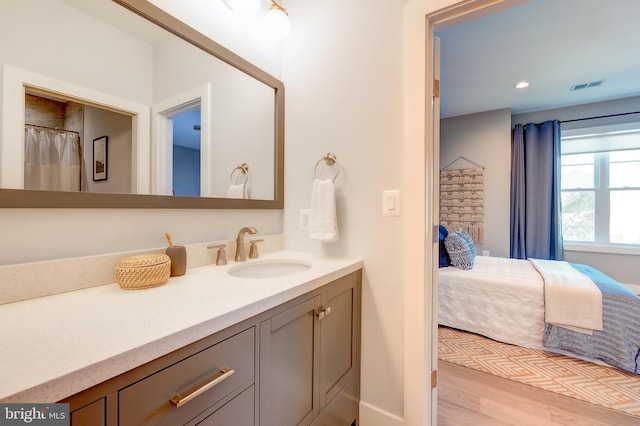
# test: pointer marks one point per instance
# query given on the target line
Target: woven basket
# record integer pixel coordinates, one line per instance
(143, 271)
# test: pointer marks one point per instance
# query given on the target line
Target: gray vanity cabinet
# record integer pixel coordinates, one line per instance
(309, 359)
(288, 362)
(237, 412)
(295, 364)
(165, 397)
(91, 414)
(339, 338)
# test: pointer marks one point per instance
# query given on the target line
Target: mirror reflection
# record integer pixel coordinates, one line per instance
(186, 152)
(177, 120)
(60, 152)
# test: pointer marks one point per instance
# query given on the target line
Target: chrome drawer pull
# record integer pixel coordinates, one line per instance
(224, 374)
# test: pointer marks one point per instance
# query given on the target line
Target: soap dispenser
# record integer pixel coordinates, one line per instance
(178, 256)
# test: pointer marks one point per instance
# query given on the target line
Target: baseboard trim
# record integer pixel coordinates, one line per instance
(374, 416)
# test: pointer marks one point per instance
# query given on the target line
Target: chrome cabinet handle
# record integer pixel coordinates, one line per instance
(323, 313)
(222, 375)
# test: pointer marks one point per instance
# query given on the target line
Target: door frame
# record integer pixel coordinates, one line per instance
(15, 81)
(443, 18)
(162, 136)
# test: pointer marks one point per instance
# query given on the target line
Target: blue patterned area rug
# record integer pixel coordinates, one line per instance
(600, 385)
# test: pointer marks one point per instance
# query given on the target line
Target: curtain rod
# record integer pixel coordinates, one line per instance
(52, 128)
(600, 116)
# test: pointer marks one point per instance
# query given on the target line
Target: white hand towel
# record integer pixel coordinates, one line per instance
(323, 221)
(237, 191)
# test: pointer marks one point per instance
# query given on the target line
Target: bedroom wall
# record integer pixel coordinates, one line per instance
(484, 138)
(621, 266)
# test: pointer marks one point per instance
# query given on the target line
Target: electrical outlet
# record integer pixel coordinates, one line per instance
(304, 219)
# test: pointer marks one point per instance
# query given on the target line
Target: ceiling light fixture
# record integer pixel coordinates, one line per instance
(522, 84)
(276, 21)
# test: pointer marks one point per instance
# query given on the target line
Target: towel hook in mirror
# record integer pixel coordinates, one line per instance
(243, 169)
(330, 160)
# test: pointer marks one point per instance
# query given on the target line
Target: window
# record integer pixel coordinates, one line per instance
(600, 182)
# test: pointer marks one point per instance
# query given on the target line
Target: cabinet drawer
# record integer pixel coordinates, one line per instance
(240, 411)
(149, 401)
(90, 415)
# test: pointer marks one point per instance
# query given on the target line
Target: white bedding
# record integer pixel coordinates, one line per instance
(510, 310)
(571, 299)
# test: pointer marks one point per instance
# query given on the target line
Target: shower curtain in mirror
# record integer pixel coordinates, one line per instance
(536, 227)
(53, 159)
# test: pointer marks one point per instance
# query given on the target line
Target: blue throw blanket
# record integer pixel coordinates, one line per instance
(618, 344)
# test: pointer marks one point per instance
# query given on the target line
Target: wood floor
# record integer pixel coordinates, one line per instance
(474, 398)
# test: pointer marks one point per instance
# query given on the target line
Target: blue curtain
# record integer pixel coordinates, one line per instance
(536, 230)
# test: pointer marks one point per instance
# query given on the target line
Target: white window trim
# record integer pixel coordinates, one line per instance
(596, 248)
(579, 132)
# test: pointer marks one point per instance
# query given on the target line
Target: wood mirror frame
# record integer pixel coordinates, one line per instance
(18, 198)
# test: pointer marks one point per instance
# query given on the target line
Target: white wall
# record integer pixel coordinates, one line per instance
(236, 100)
(342, 69)
(123, 69)
(484, 138)
(117, 127)
(238, 33)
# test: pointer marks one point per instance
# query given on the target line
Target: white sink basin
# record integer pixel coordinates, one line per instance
(268, 268)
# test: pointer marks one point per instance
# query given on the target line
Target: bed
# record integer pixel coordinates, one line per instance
(504, 299)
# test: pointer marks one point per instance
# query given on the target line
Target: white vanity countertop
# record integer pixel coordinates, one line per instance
(56, 346)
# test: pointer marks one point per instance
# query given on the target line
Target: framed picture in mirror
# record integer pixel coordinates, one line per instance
(100, 158)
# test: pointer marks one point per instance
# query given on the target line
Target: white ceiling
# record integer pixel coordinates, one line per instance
(553, 44)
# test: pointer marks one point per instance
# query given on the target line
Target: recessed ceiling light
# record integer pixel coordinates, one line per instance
(522, 84)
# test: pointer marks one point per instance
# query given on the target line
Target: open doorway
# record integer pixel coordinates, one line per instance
(178, 152)
(181, 129)
(123, 122)
(186, 152)
(496, 160)
(445, 18)
(59, 148)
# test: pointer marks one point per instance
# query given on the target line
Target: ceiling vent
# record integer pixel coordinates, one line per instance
(586, 85)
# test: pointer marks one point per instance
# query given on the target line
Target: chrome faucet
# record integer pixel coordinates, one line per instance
(240, 256)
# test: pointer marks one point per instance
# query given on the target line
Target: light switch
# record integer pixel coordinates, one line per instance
(391, 203)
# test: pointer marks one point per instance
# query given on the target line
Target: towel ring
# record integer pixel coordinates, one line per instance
(243, 169)
(330, 160)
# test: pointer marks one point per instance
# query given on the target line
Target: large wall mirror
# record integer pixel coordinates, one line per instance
(117, 104)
